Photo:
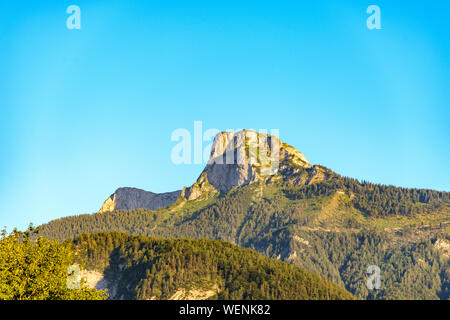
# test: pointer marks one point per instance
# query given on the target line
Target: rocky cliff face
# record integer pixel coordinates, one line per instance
(132, 198)
(241, 158)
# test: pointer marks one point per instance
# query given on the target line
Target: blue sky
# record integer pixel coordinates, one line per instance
(83, 112)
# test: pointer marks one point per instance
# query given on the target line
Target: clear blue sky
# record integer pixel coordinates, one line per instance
(83, 112)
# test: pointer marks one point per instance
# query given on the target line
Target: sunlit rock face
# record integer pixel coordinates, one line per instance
(244, 157)
(132, 198)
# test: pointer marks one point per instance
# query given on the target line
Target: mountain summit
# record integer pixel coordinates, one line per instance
(237, 159)
(241, 158)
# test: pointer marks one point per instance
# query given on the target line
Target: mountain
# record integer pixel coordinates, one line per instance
(304, 214)
(236, 160)
(143, 268)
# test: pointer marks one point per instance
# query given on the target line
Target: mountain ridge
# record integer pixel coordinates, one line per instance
(236, 159)
(128, 198)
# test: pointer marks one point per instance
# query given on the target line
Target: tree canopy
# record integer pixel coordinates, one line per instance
(37, 269)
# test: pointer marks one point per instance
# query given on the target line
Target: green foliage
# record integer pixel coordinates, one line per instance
(374, 199)
(410, 271)
(146, 268)
(37, 270)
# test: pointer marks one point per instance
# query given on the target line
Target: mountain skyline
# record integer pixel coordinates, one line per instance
(236, 159)
(160, 200)
(86, 111)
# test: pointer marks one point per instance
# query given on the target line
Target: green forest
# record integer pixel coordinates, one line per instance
(375, 199)
(148, 268)
(334, 228)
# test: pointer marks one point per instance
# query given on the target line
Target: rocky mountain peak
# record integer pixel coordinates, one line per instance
(236, 159)
(241, 158)
(253, 147)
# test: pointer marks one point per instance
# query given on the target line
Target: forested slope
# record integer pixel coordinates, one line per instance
(335, 228)
(138, 267)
